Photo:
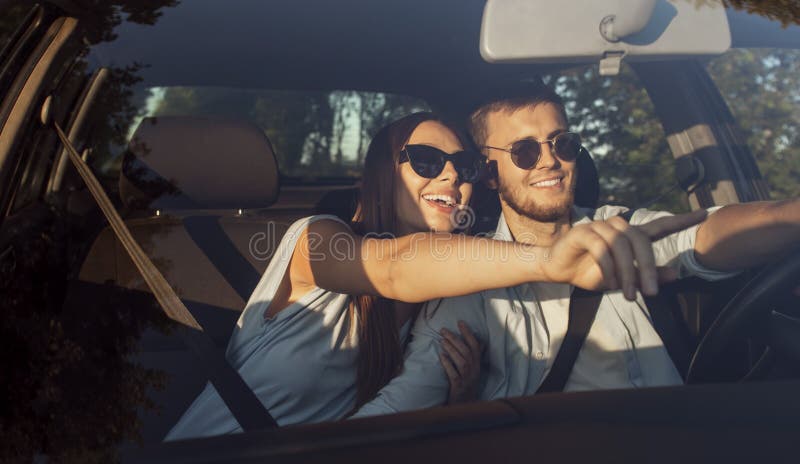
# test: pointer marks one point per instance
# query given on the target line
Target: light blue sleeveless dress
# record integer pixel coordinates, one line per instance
(301, 363)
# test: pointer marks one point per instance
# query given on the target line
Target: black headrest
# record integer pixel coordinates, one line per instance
(341, 203)
(587, 188)
(184, 162)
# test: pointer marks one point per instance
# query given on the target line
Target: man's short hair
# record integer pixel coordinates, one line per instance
(533, 95)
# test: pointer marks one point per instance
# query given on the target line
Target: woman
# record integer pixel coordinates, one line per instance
(325, 328)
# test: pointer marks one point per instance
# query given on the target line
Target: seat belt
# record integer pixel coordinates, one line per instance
(665, 313)
(583, 306)
(245, 406)
(207, 233)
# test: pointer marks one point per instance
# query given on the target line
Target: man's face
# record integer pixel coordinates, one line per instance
(531, 193)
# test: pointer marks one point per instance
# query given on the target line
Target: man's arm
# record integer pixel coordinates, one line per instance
(423, 382)
(744, 235)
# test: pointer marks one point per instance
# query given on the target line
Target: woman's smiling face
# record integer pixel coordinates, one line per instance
(429, 204)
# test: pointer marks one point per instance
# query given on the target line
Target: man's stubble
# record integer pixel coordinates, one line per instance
(539, 213)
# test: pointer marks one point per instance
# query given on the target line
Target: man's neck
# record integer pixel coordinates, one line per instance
(527, 230)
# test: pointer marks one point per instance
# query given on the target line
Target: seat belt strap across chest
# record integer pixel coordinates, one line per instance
(583, 306)
(665, 314)
(240, 399)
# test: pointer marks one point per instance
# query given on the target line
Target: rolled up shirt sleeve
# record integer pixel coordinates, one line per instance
(423, 383)
(677, 250)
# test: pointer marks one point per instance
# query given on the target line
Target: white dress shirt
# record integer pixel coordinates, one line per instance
(523, 328)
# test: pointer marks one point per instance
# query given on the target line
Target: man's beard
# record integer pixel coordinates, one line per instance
(539, 213)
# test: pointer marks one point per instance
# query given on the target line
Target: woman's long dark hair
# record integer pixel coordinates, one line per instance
(380, 354)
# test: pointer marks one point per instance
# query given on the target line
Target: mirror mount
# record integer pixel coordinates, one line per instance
(610, 63)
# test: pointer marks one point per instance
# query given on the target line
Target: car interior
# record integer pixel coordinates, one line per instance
(161, 106)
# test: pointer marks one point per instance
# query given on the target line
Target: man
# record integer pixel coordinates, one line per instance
(523, 327)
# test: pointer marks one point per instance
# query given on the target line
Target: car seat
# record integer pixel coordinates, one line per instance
(195, 193)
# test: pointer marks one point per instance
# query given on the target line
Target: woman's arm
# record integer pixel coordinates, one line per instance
(412, 268)
(423, 266)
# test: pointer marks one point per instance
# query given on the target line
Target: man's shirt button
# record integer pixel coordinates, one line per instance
(539, 355)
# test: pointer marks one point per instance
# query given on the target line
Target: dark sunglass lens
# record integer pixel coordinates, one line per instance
(525, 153)
(426, 161)
(567, 146)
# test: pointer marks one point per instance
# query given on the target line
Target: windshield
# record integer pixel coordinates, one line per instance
(97, 368)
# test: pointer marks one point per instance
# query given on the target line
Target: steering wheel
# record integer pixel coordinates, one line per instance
(758, 296)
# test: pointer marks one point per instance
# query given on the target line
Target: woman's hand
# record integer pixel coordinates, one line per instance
(461, 359)
(612, 254)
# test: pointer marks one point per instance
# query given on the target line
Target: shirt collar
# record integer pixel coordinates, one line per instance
(502, 232)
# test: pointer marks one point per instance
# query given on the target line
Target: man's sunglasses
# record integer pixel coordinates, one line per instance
(525, 153)
(429, 162)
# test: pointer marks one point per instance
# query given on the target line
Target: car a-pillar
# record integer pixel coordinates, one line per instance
(713, 163)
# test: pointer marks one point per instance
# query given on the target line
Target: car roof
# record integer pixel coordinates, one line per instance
(427, 48)
(413, 47)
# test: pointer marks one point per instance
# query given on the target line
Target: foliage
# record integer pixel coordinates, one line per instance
(785, 11)
(103, 16)
(762, 89)
(69, 390)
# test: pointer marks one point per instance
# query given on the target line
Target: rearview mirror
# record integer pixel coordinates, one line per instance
(580, 31)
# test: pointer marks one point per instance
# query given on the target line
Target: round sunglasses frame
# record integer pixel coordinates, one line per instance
(516, 158)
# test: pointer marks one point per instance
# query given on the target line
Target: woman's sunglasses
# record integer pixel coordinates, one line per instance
(525, 153)
(429, 162)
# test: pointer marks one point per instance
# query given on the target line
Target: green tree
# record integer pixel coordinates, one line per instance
(785, 11)
(101, 17)
(762, 89)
